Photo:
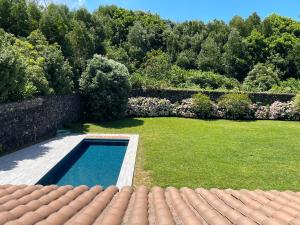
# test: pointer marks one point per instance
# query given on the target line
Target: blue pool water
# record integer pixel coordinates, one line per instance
(90, 163)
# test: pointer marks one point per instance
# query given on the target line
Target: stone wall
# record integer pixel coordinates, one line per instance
(179, 95)
(26, 122)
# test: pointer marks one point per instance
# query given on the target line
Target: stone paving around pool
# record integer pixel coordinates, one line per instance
(29, 165)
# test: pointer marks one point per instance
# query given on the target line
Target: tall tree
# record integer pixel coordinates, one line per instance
(81, 47)
(236, 56)
(55, 24)
(238, 23)
(209, 58)
(253, 22)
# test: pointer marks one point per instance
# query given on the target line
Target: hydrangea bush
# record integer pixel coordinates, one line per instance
(262, 112)
(151, 107)
(185, 109)
(155, 107)
(283, 111)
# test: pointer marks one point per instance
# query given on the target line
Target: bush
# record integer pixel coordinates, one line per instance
(283, 111)
(149, 107)
(296, 103)
(185, 109)
(202, 105)
(234, 105)
(262, 78)
(210, 80)
(262, 113)
(105, 86)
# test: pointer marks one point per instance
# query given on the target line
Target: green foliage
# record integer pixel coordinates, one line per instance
(81, 45)
(159, 53)
(256, 46)
(139, 81)
(262, 78)
(178, 76)
(105, 86)
(291, 85)
(296, 102)
(234, 105)
(157, 64)
(118, 54)
(187, 59)
(210, 80)
(57, 70)
(202, 105)
(236, 56)
(12, 74)
(35, 77)
(19, 17)
(239, 24)
(55, 24)
(210, 56)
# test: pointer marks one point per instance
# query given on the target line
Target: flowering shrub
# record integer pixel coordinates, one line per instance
(283, 111)
(185, 109)
(151, 107)
(155, 107)
(262, 112)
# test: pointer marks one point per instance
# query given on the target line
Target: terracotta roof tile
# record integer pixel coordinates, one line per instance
(53, 205)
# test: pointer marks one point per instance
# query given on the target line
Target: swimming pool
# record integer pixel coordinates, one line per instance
(91, 162)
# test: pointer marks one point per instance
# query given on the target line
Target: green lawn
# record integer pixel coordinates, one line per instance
(224, 154)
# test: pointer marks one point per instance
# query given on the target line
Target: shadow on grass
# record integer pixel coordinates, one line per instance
(118, 124)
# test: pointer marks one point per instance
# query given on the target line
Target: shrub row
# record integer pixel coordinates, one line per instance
(229, 106)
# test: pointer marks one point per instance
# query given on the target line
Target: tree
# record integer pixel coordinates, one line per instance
(187, 59)
(209, 58)
(84, 16)
(239, 24)
(275, 24)
(139, 38)
(257, 47)
(157, 65)
(12, 74)
(294, 60)
(58, 72)
(253, 22)
(35, 14)
(219, 31)
(105, 86)
(261, 78)
(36, 82)
(117, 22)
(55, 24)
(81, 47)
(14, 17)
(236, 57)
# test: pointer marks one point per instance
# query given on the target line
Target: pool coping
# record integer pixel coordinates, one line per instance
(29, 165)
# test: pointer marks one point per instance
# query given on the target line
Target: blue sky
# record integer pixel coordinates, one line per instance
(180, 10)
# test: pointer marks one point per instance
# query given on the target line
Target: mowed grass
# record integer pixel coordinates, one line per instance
(212, 154)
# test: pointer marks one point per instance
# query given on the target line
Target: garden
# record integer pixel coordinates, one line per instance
(211, 153)
(228, 142)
